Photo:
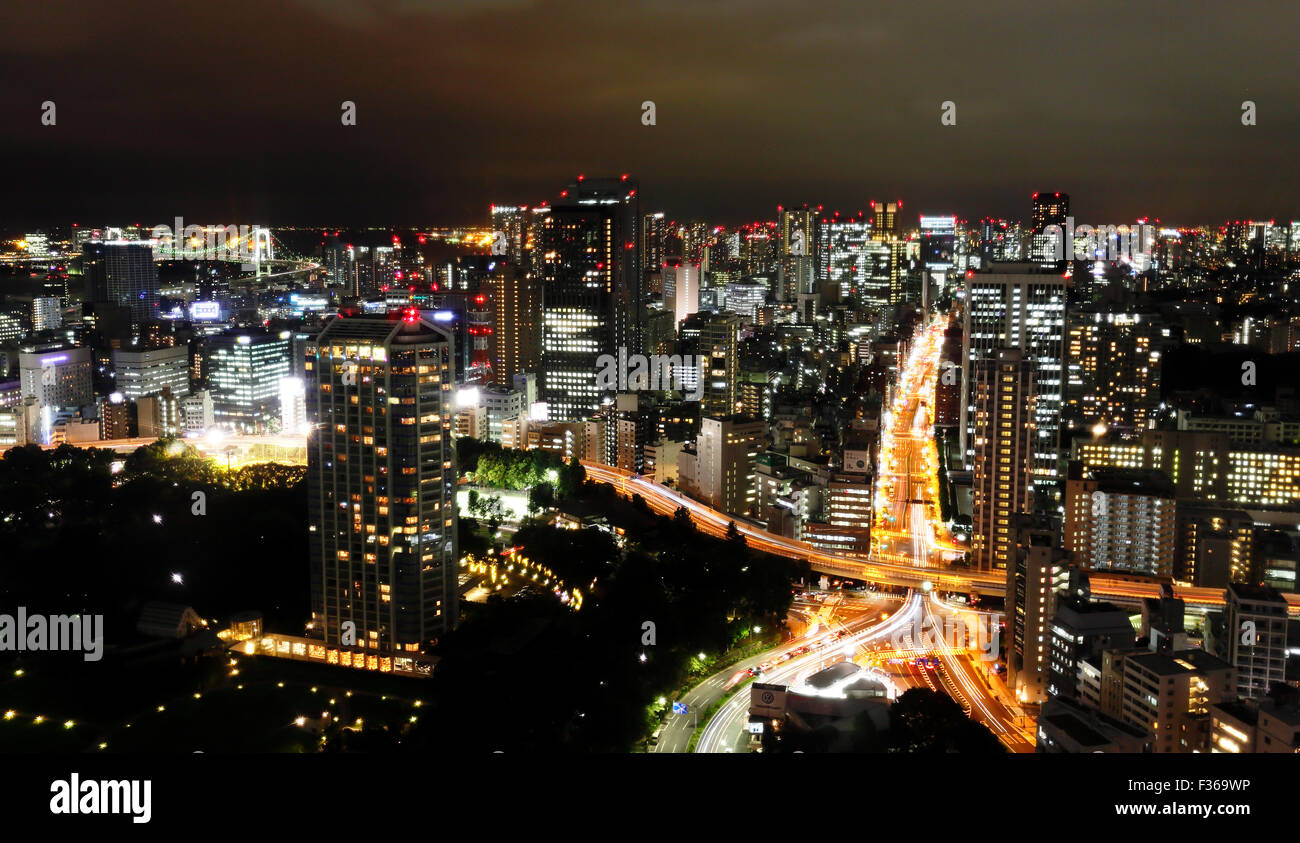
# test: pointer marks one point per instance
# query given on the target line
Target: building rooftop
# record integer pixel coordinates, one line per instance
(1256, 592)
(1181, 662)
(1133, 481)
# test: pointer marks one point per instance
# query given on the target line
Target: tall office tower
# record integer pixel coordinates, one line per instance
(510, 233)
(55, 285)
(122, 273)
(681, 290)
(141, 372)
(517, 333)
(1024, 311)
(719, 345)
(592, 290)
(629, 428)
(1004, 430)
(798, 250)
(938, 242)
(937, 255)
(381, 479)
(726, 449)
(244, 377)
(1255, 622)
(336, 259)
(877, 281)
(212, 284)
(993, 240)
(1049, 209)
(1036, 566)
(902, 259)
(760, 248)
(653, 232)
(1113, 374)
(885, 220)
(841, 254)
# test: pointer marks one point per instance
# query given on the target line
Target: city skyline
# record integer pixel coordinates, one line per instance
(437, 387)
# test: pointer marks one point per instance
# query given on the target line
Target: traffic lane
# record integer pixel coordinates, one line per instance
(676, 734)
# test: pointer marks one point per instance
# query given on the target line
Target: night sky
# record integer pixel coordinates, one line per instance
(230, 111)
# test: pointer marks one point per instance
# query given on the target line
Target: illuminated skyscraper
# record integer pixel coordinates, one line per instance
(1049, 209)
(681, 290)
(516, 338)
(798, 252)
(245, 372)
(1113, 374)
(841, 254)
(884, 220)
(510, 233)
(1024, 311)
(141, 372)
(122, 273)
(719, 346)
(381, 475)
(593, 303)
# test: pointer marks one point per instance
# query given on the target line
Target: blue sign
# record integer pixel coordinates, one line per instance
(679, 708)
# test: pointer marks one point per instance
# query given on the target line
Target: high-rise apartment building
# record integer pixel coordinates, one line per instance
(1004, 433)
(1121, 518)
(1255, 622)
(1037, 565)
(381, 484)
(719, 346)
(1113, 369)
(516, 339)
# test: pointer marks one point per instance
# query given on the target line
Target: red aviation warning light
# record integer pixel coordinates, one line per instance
(480, 298)
(410, 315)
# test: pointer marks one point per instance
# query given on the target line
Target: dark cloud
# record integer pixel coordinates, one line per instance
(231, 110)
